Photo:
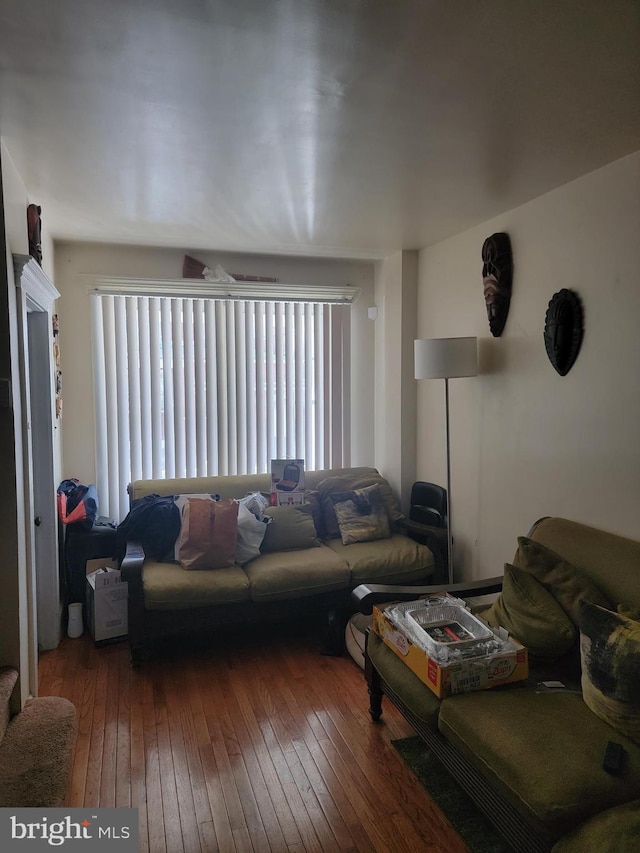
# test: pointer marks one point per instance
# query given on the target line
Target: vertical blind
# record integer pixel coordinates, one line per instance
(194, 387)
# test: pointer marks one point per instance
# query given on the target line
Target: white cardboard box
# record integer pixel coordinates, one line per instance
(107, 604)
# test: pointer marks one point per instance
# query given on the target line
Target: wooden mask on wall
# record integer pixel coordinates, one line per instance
(33, 230)
(497, 277)
(563, 330)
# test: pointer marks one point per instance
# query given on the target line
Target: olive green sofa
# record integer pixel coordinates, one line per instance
(531, 754)
(166, 601)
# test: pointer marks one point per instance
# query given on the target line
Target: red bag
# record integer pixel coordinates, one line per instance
(77, 504)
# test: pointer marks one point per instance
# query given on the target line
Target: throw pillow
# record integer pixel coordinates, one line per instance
(532, 615)
(348, 482)
(361, 514)
(566, 583)
(208, 534)
(291, 529)
(610, 654)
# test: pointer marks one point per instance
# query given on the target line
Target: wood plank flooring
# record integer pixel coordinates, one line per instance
(255, 744)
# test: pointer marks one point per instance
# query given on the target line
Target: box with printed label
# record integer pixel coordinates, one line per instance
(107, 604)
(483, 660)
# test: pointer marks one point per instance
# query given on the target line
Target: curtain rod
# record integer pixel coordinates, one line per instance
(193, 289)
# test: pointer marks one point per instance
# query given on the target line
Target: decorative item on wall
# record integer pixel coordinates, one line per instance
(497, 277)
(34, 224)
(563, 330)
(56, 364)
(192, 268)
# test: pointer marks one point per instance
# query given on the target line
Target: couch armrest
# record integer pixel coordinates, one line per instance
(436, 540)
(366, 595)
(131, 567)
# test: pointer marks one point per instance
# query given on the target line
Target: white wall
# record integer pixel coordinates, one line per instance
(395, 388)
(76, 259)
(525, 441)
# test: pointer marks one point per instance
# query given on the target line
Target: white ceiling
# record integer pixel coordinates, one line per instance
(337, 127)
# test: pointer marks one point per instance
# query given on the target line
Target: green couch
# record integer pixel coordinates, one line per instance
(166, 601)
(531, 755)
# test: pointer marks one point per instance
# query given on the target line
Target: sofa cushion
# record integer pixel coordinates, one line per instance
(397, 559)
(208, 534)
(296, 574)
(615, 830)
(346, 482)
(543, 750)
(291, 529)
(421, 701)
(167, 586)
(610, 654)
(604, 557)
(565, 582)
(361, 515)
(532, 615)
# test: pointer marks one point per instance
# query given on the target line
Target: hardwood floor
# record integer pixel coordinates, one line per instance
(255, 744)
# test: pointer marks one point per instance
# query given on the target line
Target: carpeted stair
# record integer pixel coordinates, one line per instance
(36, 748)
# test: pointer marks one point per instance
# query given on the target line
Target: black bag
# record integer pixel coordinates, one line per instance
(77, 504)
(154, 522)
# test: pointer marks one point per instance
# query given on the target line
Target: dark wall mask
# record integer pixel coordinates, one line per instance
(34, 225)
(497, 277)
(563, 330)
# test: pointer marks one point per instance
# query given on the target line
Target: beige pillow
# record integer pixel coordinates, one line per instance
(610, 654)
(208, 534)
(532, 615)
(349, 482)
(566, 583)
(361, 515)
(291, 529)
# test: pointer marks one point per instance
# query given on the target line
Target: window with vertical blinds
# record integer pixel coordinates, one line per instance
(193, 387)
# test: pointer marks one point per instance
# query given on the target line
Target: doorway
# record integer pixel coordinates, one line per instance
(35, 297)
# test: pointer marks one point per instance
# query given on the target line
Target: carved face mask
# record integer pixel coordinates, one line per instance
(563, 330)
(497, 276)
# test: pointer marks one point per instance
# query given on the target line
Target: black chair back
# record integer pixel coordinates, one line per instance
(428, 504)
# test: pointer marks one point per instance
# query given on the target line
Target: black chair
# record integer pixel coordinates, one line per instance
(427, 523)
(428, 504)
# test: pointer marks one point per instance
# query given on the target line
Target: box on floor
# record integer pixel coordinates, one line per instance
(107, 598)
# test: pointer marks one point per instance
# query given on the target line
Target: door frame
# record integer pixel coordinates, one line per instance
(36, 295)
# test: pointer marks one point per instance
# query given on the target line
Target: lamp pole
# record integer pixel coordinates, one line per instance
(446, 358)
(449, 533)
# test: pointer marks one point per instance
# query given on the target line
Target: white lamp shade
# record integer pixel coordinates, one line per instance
(446, 358)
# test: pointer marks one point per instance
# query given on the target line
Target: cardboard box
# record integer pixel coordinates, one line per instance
(100, 563)
(289, 498)
(462, 675)
(287, 476)
(107, 604)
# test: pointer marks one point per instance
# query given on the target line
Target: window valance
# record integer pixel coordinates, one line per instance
(196, 289)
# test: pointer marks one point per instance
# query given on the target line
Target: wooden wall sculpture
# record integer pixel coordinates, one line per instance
(497, 278)
(34, 226)
(563, 330)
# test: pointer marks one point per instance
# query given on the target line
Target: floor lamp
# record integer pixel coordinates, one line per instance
(446, 358)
